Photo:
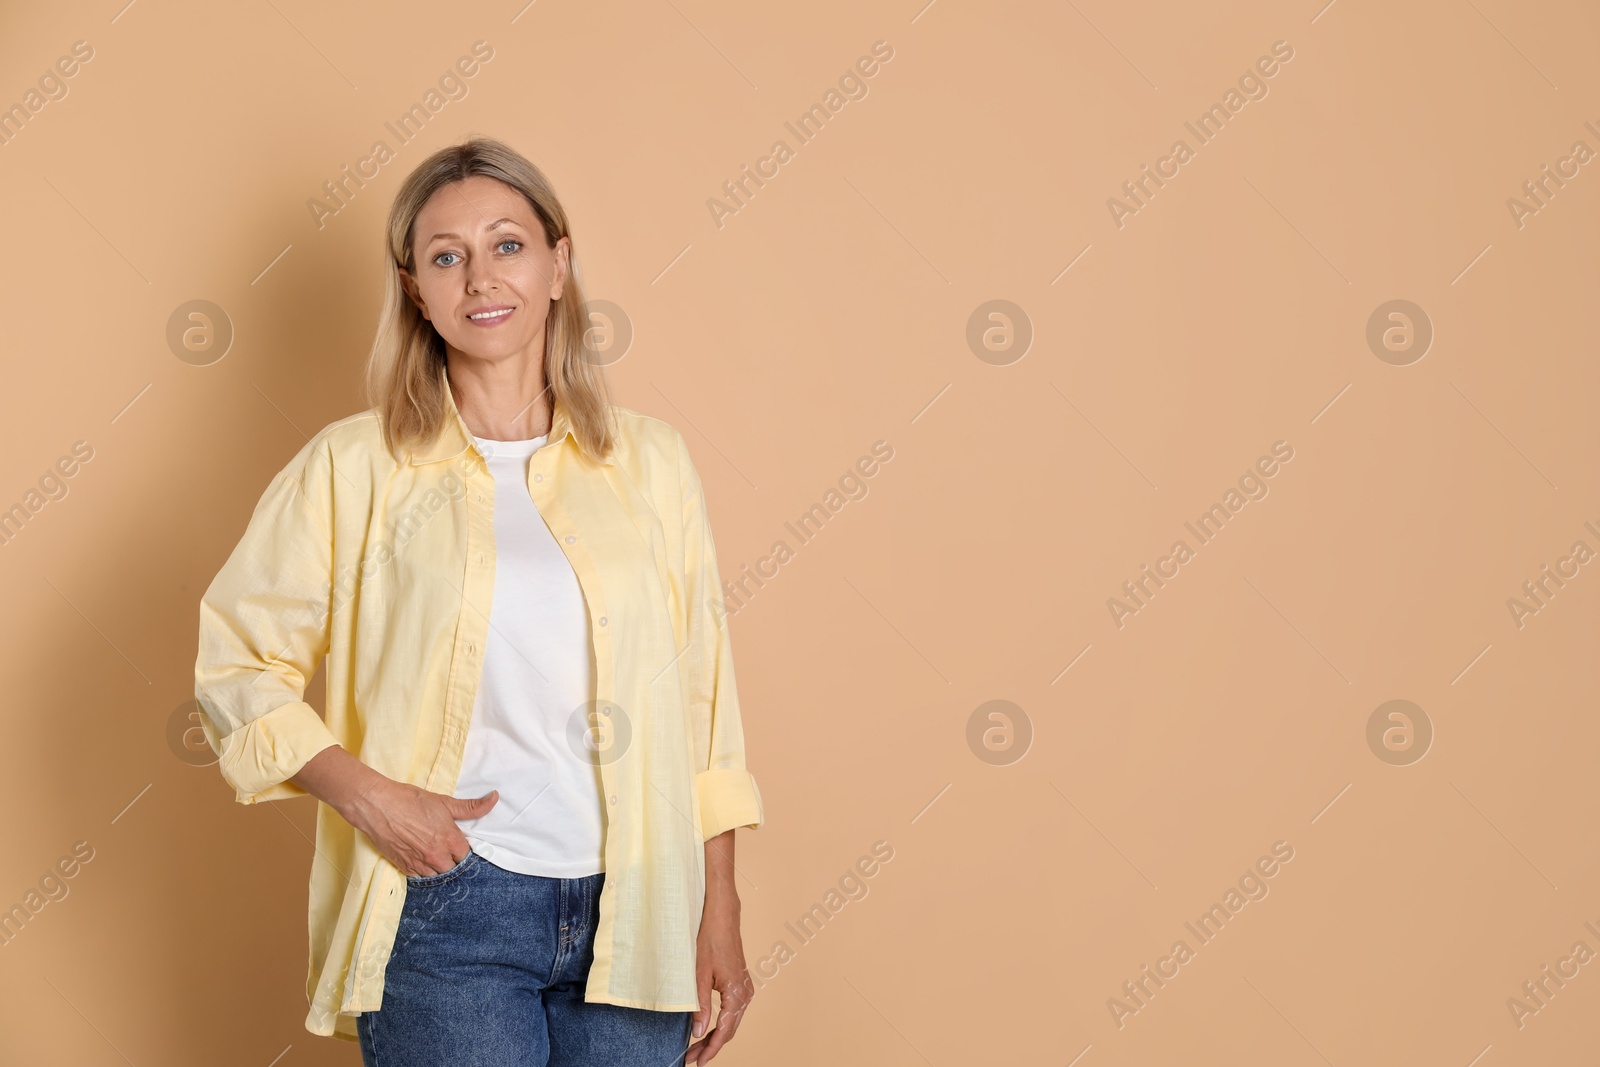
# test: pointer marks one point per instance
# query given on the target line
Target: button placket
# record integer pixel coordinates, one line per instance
(476, 593)
(604, 662)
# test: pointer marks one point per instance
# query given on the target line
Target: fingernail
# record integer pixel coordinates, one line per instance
(699, 1027)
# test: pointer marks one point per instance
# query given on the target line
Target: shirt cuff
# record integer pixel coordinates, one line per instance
(728, 799)
(259, 758)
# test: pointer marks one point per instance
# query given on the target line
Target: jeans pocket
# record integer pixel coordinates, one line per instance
(424, 881)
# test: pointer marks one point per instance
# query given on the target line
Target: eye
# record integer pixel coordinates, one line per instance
(440, 256)
(510, 241)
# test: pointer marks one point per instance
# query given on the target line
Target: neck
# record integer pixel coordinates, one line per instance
(500, 400)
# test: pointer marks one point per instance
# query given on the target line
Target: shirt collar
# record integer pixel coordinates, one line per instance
(455, 437)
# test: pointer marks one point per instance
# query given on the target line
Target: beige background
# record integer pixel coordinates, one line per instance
(831, 312)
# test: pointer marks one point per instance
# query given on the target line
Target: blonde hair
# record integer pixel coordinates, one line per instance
(404, 377)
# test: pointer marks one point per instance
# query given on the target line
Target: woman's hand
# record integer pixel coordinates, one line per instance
(720, 964)
(416, 829)
(719, 957)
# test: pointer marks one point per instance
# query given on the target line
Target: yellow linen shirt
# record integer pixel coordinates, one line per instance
(388, 569)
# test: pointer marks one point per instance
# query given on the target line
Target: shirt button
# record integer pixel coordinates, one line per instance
(602, 620)
(613, 798)
(538, 477)
(570, 539)
(605, 711)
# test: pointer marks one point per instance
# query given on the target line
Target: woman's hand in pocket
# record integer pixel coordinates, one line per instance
(415, 829)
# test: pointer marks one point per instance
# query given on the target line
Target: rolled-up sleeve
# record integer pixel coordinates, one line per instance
(264, 627)
(727, 791)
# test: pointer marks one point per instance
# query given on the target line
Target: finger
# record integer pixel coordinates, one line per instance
(718, 1037)
(471, 807)
(727, 1025)
(433, 867)
(736, 998)
(459, 809)
(702, 1017)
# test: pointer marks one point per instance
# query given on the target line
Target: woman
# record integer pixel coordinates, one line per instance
(531, 762)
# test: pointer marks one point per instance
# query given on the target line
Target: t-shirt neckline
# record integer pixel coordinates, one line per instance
(528, 447)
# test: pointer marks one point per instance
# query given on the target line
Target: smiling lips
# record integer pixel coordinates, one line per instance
(493, 315)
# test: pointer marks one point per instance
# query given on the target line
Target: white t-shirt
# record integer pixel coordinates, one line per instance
(538, 676)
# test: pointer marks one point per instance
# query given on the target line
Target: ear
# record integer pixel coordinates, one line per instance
(410, 285)
(558, 276)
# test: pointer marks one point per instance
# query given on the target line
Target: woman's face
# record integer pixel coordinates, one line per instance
(478, 248)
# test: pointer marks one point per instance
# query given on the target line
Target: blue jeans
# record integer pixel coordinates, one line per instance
(488, 970)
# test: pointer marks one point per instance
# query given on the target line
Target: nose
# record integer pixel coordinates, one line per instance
(480, 276)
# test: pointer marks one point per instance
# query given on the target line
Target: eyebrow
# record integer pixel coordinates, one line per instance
(496, 223)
